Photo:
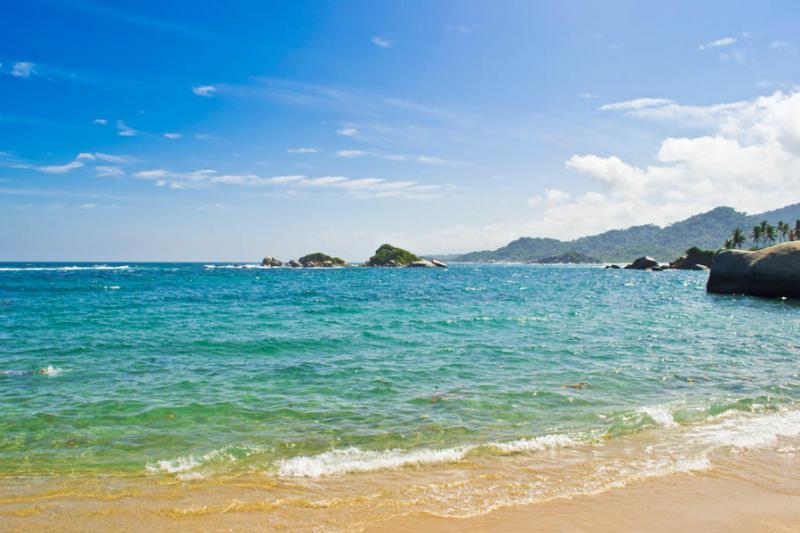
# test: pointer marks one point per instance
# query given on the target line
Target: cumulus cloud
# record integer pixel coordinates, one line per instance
(206, 91)
(382, 42)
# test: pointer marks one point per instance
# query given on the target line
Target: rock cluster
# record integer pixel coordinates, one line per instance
(270, 261)
(771, 272)
(644, 263)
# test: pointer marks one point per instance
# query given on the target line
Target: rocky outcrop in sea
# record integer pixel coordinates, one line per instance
(772, 272)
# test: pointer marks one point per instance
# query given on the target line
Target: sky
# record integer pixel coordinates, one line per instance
(164, 131)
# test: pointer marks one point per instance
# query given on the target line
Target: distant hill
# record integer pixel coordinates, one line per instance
(706, 230)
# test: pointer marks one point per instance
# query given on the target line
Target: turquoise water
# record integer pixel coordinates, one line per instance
(184, 368)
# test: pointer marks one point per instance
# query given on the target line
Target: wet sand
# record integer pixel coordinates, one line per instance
(689, 502)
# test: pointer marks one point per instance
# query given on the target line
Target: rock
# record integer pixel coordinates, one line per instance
(422, 263)
(320, 260)
(613, 266)
(656, 269)
(391, 256)
(294, 263)
(270, 261)
(699, 267)
(642, 263)
(694, 257)
(773, 271)
(438, 263)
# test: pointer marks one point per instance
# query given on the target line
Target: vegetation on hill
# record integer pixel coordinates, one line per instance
(568, 258)
(319, 259)
(388, 255)
(706, 231)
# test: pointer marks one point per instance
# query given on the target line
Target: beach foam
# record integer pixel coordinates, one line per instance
(63, 269)
(660, 414)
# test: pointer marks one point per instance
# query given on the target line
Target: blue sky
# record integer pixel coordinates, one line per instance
(154, 131)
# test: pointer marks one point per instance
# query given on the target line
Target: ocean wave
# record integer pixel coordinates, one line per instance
(353, 459)
(245, 266)
(63, 269)
(186, 466)
(747, 432)
(660, 414)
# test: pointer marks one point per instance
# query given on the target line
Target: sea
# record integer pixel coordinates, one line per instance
(335, 398)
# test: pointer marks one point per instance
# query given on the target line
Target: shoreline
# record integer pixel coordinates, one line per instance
(713, 501)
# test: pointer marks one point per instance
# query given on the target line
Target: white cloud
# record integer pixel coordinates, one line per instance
(718, 43)
(382, 42)
(23, 69)
(173, 135)
(778, 45)
(550, 197)
(87, 206)
(638, 103)
(434, 161)
(61, 169)
(206, 91)
(350, 154)
(100, 121)
(347, 132)
(587, 96)
(302, 150)
(123, 130)
(107, 171)
(357, 188)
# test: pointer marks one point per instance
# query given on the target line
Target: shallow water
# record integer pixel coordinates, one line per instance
(308, 379)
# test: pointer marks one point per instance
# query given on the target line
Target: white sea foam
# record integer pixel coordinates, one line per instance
(246, 266)
(185, 465)
(63, 269)
(748, 432)
(660, 414)
(51, 371)
(535, 444)
(355, 460)
(351, 460)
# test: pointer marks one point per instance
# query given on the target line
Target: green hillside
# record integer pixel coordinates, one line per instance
(706, 230)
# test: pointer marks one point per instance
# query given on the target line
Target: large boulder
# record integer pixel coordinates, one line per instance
(440, 264)
(320, 260)
(643, 263)
(694, 257)
(270, 261)
(773, 271)
(421, 263)
(294, 263)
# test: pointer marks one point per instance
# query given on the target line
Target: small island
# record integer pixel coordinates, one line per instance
(388, 256)
(320, 260)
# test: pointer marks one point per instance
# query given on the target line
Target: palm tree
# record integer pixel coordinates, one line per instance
(738, 238)
(756, 234)
(783, 230)
(728, 244)
(771, 234)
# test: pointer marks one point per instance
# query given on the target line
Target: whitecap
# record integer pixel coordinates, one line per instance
(660, 414)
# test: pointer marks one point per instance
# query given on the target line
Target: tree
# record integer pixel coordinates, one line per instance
(728, 244)
(737, 238)
(797, 230)
(756, 234)
(771, 234)
(783, 230)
